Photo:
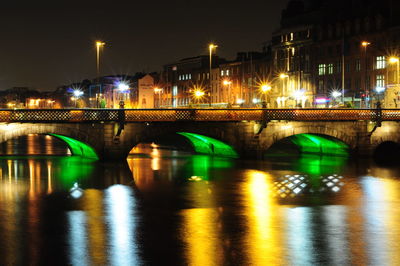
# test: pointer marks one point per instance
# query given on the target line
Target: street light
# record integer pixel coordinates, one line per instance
(99, 45)
(211, 47)
(265, 88)
(336, 94)
(77, 94)
(365, 45)
(198, 94)
(228, 83)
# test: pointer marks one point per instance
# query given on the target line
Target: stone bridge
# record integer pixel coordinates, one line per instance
(113, 133)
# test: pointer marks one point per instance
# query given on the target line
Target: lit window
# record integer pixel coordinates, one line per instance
(187, 76)
(322, 69)
(227, 72)
(222, 72)
(190, 76)
(380, 62)
(291, 36)
(380, 81)
(358, 65)
(180, 77)
(330, 69)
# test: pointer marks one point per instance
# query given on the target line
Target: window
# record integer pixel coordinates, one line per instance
(291, 36)
(190, 76)
(222, 73)
(322, 69)
(180, 77)
(330, 69)
(380, 62)
(227, 72)
(380, 81)
(358, 65)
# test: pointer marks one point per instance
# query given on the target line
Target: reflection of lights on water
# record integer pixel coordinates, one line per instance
(154, 146)
(121, 218)
(195, 178)
(76, 192)
(295, 185)
(333, 182)
(77, 221)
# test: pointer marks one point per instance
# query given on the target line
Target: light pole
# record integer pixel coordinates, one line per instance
(99, 45)
(77, 93)
(365, 45)
(211, 47)
(122, 89)
(265, 88)
(198, 94)
(228, 83)
(335, 95)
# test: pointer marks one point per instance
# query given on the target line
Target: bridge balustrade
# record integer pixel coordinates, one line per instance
(201, 115)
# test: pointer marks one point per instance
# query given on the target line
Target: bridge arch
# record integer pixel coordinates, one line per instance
(77, 140)
(284, 130)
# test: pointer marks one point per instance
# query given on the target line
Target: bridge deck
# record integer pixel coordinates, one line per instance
(198, 115)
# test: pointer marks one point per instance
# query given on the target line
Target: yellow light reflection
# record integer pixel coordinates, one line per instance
(201, 234)
(381, 215)
(263, 236)
(92, 203)
(49, 175)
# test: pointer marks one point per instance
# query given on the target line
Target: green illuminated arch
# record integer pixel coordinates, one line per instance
(78, 148)
(316, 144)
(207, 145)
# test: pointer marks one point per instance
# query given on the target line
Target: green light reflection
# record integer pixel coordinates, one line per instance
(207, 145)
(199, 166)
(315, 144)
(78, 148)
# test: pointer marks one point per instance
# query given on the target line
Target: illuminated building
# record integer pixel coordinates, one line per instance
(329, 45)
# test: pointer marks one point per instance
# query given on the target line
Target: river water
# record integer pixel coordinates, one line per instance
(165, 207)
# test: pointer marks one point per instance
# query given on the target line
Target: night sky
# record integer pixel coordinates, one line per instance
(46, 46)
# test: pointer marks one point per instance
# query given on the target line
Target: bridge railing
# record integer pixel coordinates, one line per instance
(201, 115)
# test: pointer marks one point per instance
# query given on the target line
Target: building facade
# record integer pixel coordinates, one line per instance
(332, 53)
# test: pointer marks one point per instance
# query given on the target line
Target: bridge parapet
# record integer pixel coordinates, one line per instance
(200, 115)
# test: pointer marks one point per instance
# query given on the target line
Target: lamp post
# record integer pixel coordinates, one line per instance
(228, 83)
(335, 95)
(211, 47)
(265, 88)
(198, 94)
(77, 94)
(122, 89)
(99, 45)
(365, 45)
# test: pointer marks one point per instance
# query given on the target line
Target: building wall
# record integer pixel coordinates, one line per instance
(146, 92)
